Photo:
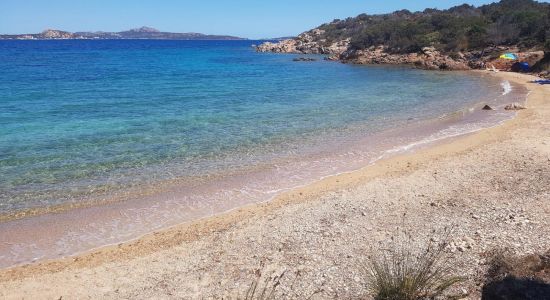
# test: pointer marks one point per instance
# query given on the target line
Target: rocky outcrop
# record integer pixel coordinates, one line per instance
(284, 46)
(306, 43)
(429, 58)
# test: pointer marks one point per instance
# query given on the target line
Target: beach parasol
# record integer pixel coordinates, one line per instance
(510, 56)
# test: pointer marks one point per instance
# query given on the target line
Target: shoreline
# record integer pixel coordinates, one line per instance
(195, 230)
(69, 215)
(122, 194)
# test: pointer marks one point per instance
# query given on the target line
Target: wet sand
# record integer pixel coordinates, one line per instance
(323, 230)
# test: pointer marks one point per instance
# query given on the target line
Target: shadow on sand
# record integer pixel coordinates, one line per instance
(514, 288)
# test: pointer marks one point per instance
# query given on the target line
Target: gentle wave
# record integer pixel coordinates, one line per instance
(506, 87)
(199, 137)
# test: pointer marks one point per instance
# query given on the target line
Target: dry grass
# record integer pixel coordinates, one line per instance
(263, 290)
(400, 273)
(272, 287)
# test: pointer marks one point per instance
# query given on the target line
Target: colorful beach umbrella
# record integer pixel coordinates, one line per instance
(510, 56)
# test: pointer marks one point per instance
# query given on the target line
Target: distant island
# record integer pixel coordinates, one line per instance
(146, 33)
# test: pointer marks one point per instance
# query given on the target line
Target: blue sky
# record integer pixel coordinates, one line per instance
(245, 18)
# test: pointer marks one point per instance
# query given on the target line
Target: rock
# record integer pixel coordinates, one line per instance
(429, 58)
(332, 57)
(316, 41)
(514, 106)
(310, 42)
(307, 43)
(285, 46)
(304, 59)
(487, 107)
(430, 51)
(451, 247)
(469, 242)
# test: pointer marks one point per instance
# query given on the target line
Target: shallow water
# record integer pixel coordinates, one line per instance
(187, 129)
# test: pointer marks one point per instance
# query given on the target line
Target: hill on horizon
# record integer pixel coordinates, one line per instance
(136, 33)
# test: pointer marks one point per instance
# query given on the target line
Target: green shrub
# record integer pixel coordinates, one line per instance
(522, 22)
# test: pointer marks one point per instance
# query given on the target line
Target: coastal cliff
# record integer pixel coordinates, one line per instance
(460, 38)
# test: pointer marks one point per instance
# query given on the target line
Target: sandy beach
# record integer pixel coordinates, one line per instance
(491, 187)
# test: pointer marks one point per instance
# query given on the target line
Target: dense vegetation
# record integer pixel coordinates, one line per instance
(525, 23)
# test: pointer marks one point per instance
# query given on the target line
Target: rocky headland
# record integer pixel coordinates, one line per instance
(460, 38)
(428, 58)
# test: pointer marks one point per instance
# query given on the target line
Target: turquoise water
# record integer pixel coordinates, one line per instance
(166, 132)
(85, 117)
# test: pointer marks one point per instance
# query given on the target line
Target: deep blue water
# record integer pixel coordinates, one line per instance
(79, 117)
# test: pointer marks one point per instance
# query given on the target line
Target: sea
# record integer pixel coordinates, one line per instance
(103, 141)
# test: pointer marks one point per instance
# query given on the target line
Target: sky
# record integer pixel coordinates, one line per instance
(244, 18)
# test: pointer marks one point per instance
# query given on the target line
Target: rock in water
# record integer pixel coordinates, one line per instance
(514, 106)
(304, 59)
(487, 107)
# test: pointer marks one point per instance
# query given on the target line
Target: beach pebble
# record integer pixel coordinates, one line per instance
(514, 106)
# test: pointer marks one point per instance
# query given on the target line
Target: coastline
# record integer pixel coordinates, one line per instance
(127, 194)
(164, 240)
(70, 231)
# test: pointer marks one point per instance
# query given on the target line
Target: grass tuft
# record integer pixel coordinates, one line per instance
(400, 274)
(263, 290)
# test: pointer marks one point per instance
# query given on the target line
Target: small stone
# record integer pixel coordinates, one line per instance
(487, 107)
(469, 242)
(452, 247)
(514, 106)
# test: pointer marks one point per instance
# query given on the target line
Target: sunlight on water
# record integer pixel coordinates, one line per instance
(188, 129)
(80, 117)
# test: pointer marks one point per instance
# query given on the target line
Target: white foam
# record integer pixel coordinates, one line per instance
(506, 87)
(449, 132)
